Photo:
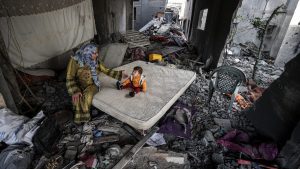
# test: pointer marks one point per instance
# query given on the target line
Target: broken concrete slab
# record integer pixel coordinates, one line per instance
(223, 123)
(113, 54)
(151, 157)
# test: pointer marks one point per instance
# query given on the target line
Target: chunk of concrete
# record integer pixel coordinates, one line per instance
(113, 54)
(176, 160)
(218, 158)
(161, 159)
(70, 154)
(209, 136)
(224, 123)
(2, 101)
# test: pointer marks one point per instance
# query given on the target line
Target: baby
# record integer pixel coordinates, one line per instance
(136, 82)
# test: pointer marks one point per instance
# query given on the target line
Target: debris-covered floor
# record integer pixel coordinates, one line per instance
(200, 150)
(41, 125)
(211, 137)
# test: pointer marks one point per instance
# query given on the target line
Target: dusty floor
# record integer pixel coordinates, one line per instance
(202, 149)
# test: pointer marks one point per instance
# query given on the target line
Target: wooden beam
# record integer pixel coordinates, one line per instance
(131, 153)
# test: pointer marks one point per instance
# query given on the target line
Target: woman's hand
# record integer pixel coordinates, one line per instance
(76, 97)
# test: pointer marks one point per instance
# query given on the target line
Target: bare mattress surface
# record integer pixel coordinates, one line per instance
(164, 86)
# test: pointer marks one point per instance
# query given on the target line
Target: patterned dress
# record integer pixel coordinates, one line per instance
(79, 79)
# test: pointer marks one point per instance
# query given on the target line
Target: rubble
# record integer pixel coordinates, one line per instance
(136, 39)
(225, 124)
(104, 141)
(152, 157)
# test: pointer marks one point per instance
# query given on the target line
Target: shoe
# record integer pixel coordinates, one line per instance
(119, 85)
(132, 94)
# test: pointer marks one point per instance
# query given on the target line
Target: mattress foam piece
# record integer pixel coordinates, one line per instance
(164, 86)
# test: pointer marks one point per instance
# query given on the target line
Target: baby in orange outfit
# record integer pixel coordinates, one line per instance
(136, 82)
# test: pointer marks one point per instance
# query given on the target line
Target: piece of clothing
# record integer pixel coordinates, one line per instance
(79, 79)
(136, 82)
(16, 156)
(130, 86)
(83, 56)
(239, 141)
(17, 129)
(171, 125)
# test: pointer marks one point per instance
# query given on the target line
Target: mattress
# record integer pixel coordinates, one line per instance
(164, 86)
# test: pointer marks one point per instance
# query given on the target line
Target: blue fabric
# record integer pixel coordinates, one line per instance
(84, 57)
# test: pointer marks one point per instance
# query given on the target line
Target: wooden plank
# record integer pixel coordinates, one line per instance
(132, 132)
(131, 153)
(105, 139)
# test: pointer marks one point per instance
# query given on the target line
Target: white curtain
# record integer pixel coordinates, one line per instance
(32, 39)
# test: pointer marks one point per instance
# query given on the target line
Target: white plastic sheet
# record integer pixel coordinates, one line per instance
(16, 129)
(33, 39)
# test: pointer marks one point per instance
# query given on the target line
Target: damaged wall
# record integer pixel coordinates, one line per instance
(210, 41)
(146, 10)
(112, 16)
(186, 18)
(250, 9)
(290, 46)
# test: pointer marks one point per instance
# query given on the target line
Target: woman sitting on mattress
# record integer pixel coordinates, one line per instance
(83, 82)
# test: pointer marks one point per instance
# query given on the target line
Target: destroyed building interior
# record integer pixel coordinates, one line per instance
(149, 84)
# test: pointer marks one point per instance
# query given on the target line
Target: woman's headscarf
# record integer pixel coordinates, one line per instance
(84, 57)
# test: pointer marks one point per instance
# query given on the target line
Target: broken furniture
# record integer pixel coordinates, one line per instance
(136, 39)
(227, 80)
(129, 155)
(165, 86)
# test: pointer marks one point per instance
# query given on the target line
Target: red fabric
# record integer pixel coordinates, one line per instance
(135, 89)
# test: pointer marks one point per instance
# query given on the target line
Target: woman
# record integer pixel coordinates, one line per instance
(83, 82)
